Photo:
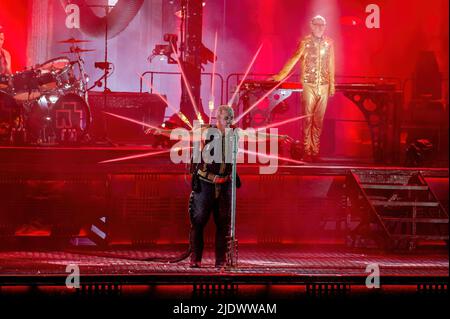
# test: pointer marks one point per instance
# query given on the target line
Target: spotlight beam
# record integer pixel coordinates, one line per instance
(126, 158)
(132, 120)
(230, 102)
(158, 130)
(173, 109)
(211, 108)
(272, 156)
(260, 100)
(187, 85)
(283, 122)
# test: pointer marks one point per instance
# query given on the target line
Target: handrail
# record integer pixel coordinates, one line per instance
(153, 73)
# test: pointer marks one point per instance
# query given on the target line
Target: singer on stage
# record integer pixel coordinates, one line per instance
(211, 193)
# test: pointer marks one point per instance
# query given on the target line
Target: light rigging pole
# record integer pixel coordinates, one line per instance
(190, 55)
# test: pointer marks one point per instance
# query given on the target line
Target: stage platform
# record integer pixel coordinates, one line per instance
(300, 265)
(64, 190)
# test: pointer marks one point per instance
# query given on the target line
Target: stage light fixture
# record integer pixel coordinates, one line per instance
(165, 50)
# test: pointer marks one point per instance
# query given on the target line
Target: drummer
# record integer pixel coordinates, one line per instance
(5, 57)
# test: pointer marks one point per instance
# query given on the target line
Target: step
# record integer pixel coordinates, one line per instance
(427, 237)
(403, 204)
(395, 187)
(416, 220)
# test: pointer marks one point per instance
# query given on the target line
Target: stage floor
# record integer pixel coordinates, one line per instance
(280, 264)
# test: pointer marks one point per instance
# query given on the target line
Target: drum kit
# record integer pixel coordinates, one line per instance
(46, 104)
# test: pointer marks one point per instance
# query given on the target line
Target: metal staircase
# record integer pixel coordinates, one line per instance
(395, 209)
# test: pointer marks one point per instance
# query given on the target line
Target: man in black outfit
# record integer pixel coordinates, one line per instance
(211, 189)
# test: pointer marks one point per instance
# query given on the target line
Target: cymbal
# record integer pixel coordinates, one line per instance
(73, 40)
(56, 64)
(78, 50)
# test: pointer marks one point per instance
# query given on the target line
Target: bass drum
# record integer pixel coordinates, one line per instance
(10, 118)
(71, 118)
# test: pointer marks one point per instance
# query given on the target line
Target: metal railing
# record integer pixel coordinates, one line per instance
(153, 73)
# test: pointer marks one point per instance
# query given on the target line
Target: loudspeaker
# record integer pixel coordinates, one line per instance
(427, 112)
(143, 107)
(428, 82)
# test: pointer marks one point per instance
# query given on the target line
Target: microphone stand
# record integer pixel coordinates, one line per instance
(105, 75)
(106, 8)
(232, 242)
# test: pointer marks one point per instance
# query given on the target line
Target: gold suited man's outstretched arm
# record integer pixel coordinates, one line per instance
(287, 68)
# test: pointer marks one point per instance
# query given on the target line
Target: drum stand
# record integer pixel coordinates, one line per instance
(19, 131)
(84, 93)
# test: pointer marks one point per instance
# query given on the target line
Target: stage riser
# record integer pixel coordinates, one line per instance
(152, 208)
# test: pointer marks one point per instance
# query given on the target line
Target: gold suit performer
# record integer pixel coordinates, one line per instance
(315, 52)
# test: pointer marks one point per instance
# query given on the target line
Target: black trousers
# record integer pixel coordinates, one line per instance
(202, 203)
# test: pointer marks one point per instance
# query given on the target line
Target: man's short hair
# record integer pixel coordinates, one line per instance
(319, 17)
(226, 108)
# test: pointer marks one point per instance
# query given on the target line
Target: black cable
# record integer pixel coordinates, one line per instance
(170, 260)
(182, 256)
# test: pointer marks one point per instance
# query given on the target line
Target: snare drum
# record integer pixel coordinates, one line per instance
(52, 81)
(47, 82)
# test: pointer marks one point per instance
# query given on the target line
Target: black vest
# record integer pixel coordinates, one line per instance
(223, 165)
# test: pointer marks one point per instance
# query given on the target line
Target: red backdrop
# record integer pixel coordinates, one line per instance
(14, 19)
